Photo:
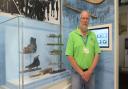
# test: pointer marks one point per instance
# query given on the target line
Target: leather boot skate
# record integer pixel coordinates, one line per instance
(35, 63)
(32, 47)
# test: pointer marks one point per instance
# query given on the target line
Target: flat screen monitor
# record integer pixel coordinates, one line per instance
(126, 43)
(103, 34)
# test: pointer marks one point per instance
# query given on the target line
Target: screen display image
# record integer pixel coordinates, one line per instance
(102, 35)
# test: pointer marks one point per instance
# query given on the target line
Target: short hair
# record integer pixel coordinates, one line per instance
(84, 12)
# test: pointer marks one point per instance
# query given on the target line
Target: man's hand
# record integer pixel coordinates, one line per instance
(86, 75)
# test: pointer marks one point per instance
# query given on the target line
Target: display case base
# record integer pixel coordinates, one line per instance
(39, 81)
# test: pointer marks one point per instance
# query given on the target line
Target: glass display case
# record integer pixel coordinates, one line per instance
(31, 54)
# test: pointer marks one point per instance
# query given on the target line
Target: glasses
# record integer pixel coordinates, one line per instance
(85, 18)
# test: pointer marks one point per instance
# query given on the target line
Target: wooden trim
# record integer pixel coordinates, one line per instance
(95, 1)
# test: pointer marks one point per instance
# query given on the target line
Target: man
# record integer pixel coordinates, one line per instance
(83, 54)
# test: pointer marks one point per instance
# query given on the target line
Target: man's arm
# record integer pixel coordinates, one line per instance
(95, 62)
(75, 65)
(88, 73)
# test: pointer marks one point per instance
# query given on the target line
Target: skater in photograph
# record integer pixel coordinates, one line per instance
(57, 9)
(47, 7)
(52, 8)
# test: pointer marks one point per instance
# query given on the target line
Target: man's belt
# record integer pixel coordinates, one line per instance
(84, 69)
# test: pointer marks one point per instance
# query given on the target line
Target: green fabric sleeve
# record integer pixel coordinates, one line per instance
(69, 47)
(97, 48)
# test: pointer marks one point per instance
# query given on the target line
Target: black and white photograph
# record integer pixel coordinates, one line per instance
(42, 10)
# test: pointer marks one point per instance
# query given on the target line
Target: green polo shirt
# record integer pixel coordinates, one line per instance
(83, 49)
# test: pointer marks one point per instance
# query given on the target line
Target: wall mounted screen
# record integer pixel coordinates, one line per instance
(126, 43)
(103, 34)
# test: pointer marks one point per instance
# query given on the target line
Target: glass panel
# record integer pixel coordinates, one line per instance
(41, 54)
(9, 53)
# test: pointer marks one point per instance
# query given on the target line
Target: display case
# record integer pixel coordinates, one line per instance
(31, 54)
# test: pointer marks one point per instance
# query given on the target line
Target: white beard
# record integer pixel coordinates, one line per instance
(85, 28)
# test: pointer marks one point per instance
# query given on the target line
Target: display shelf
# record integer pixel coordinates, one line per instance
(56, 52)
(57, 44)
(54, 36)
(56, 63)
(29, 70)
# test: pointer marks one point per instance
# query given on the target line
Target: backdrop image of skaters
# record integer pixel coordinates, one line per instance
(41, 10)
(53, 11)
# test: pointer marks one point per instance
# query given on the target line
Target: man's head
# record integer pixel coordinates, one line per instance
(84, 20)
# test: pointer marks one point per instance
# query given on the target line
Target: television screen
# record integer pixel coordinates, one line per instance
(102, 35)
(126, 43)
